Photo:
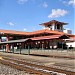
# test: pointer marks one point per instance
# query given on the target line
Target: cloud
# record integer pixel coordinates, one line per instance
(22, 1)
(68, 2)
(10, 23)
(45, 5)
(24, 29)
(57, 13)
(71, 2)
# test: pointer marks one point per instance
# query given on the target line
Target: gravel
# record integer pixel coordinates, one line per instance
(7, 70)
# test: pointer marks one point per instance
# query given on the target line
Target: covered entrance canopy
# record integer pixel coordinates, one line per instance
(42, 42)
(13, 44)
(15, 41)
(48, 42)
(37, 38)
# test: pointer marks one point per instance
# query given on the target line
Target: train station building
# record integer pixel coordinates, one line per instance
(51, 37)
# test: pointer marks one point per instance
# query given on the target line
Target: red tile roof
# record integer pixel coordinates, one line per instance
(12, 32)
(38, 32)
(45, 31)
(46, 37)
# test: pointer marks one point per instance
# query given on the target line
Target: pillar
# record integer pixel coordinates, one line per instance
(12, 47)
(7, 48)
(50, 44)
(31, 44)
(22, 45)
(7, 45)
(40, 43)
(44, 44)
(0, 41)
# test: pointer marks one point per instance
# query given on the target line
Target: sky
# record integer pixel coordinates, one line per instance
(26, 15)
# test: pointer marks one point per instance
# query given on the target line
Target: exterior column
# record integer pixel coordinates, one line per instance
(0, 41)
(7, 48)
(47, 44)
(31, 45)
(22, 45)
(12, 47)
(44, 44)
(26, 45)
(35, 44)
(41, 44)
(7, 45)
(50, 44)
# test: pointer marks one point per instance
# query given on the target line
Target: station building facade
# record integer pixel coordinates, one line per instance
(51, 37)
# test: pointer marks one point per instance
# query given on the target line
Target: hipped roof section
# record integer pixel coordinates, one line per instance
(12, 32)
(50, 37)
(53, 22)
(38, 32)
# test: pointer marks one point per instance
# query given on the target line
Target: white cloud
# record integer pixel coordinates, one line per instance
(71, 2)
(10, 23)
(22, 1)
(57, 13)
(68, 2)
(45, 5)
(24, 29)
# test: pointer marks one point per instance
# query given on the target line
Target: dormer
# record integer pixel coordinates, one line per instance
(54, 25)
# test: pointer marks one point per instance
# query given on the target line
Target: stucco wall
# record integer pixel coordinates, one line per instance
(71, 44)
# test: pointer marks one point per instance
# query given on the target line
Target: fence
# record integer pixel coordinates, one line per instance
(42, 51)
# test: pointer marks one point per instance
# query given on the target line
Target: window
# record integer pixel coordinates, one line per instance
(58, 26)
